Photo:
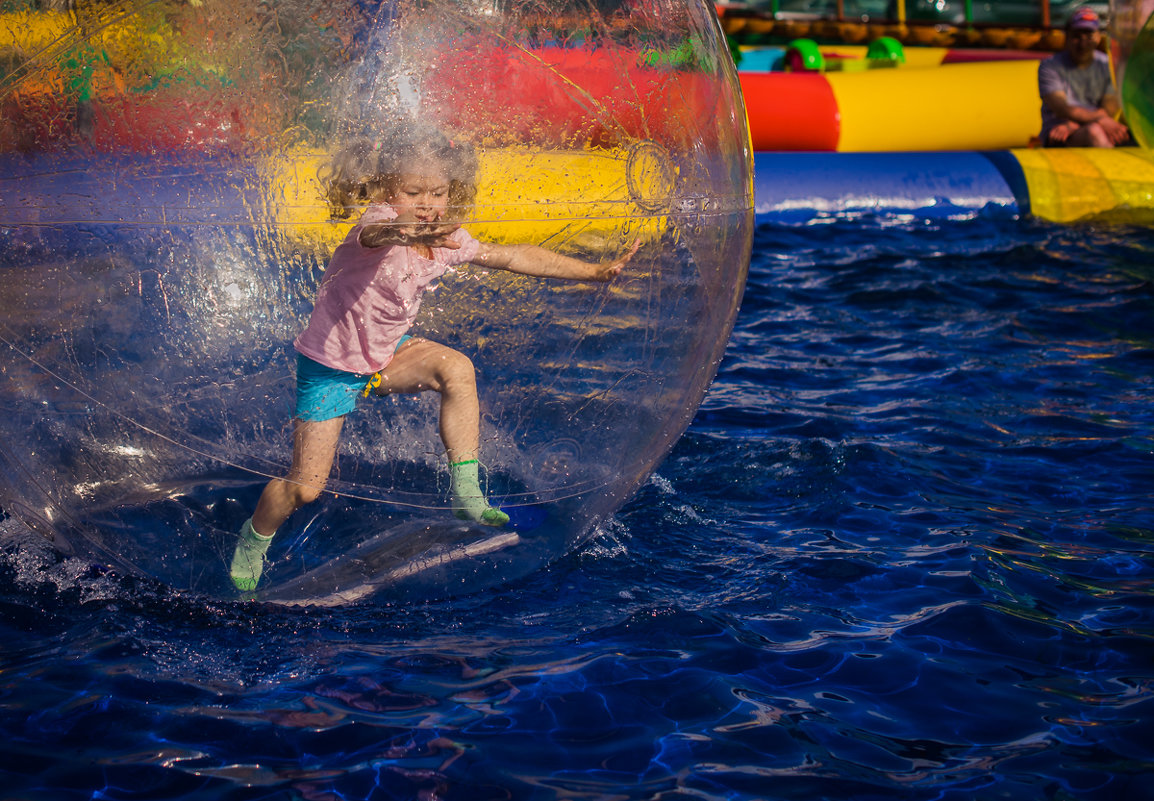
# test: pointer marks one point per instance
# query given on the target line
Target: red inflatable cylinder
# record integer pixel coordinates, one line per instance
(791, 111)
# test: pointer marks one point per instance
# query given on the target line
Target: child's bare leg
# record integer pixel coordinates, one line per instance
(420, 365)
(314, 448)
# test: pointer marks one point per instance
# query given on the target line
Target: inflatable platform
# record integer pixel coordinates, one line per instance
(947, 141)
(968, 121)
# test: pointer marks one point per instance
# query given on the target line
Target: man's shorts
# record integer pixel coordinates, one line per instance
(324, 393)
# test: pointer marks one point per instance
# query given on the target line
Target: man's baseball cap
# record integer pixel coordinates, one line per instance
(1083, 19)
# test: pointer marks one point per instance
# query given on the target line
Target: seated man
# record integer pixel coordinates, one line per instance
(1079, 105)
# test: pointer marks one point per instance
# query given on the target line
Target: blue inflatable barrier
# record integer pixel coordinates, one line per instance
(1055, 184)
(800, 187)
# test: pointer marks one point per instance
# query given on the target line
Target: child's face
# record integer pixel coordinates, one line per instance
(421, 195)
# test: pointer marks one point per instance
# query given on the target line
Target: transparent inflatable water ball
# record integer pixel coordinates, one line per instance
(164, 169)
(1132, 29)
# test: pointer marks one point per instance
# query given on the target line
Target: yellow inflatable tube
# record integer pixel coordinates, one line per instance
(31, 33)
(598, 200)
(28, 32)
(1069, 184)
(974, 106)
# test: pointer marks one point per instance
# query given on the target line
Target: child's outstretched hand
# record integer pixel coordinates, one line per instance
(432, 235)
(607, 271)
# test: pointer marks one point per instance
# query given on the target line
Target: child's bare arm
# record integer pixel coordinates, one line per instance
(543, 263)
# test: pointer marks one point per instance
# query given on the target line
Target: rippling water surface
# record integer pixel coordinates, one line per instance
(904, 552)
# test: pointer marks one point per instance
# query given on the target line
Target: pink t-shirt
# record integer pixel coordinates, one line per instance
(370, 297)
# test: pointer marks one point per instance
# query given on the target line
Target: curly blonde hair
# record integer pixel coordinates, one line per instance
(364, 167)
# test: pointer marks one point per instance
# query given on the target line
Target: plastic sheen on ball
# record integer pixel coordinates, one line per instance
(162, 167)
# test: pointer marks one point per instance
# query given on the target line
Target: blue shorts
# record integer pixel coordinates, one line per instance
(324, 393)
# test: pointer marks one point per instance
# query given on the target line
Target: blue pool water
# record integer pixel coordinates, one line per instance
(903, 552)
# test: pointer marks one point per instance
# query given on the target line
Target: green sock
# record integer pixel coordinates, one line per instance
(248, 558)
(469, 502)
